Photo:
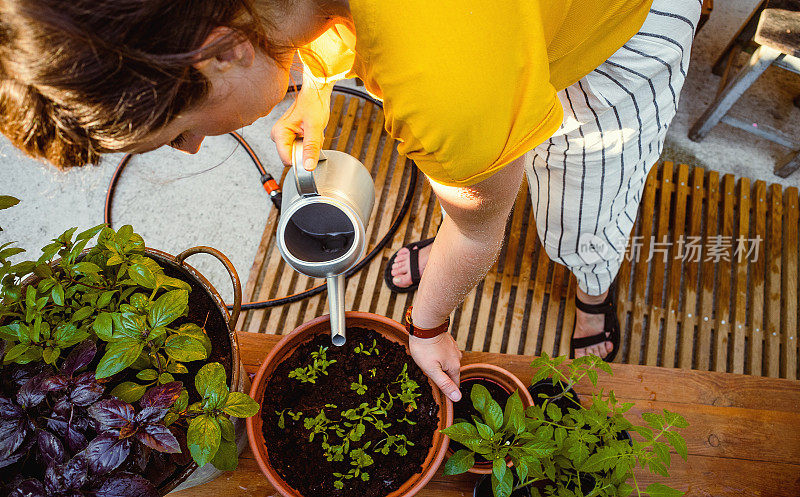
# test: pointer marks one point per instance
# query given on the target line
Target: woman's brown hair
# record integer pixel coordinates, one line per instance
(83, 77)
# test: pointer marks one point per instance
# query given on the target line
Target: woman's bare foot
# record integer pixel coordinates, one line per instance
(591, 324)
(401, 269)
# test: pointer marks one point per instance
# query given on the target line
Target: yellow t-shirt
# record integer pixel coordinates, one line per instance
(468, 86)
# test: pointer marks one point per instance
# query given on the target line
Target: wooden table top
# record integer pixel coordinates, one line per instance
(743, 436)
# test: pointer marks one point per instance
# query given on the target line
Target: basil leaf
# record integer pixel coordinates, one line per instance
(118, 356)
(240, 405)
(203, 438)
(168, 307)
(227, 457)
(459, 463)
(211, 378)
(184, 349)
(128, 391)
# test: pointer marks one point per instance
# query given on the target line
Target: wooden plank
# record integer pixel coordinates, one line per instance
(522, 284)
(560, 274)
(773, 253)
(708, 277)
(789, 307)
(513, 234)
(262, 253)
(699, 476)
(484, 302)
(543, 265)
(722, 312)
(629, 381)
(660, 255)
(671, 345)
(568, 326)
(640, 271)
(740, 260)
(689, 313)
(757, 277)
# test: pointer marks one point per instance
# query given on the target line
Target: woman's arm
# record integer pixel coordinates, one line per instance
(466, 247)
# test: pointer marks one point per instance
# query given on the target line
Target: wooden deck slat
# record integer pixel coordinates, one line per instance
(773, 253)
(678, 307)
(672, 346)
(757, 279)
(722, 314)
(789, 286)
(708, 279)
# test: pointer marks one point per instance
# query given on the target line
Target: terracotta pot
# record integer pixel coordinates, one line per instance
(502, 378)
(389, 329)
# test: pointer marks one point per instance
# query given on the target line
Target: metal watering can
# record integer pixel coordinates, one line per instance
(324, 215)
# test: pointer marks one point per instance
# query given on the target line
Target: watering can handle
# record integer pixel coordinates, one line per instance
(306, 185)
(237, 285)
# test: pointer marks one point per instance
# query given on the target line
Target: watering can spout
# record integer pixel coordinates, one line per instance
(336, 304)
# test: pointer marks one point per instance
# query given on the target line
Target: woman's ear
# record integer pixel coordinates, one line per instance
(240, 53)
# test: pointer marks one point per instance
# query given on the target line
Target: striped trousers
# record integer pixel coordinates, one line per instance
(586, 181)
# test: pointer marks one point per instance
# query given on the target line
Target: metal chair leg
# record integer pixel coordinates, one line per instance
(761, 59)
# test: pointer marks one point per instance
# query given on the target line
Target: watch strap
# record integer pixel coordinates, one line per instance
(418, 332)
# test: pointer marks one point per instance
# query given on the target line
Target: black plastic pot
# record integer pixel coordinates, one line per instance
(546, 387)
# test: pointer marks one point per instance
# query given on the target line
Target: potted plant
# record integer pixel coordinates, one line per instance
(501, 384)
(560, 447)
(359, 419)
(120, 373)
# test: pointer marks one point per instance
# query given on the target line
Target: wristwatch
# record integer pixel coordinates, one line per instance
(418, 332)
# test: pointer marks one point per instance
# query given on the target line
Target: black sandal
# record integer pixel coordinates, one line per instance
(611, 326)
(414, 260)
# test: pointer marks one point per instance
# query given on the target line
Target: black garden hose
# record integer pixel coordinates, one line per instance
(272, 188)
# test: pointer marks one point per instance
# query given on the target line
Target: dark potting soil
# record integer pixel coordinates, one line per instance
(302, 464)
(546, 387)
(463, 410)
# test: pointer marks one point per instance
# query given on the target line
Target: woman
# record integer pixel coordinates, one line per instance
(468, 88)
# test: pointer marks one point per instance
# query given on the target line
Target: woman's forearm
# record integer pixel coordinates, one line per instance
(457, 263)
(467, 244)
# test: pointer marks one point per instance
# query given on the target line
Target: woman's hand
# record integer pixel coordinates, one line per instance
(306, 118)
(440, 359)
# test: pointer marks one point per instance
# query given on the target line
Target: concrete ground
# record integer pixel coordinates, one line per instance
(176, 201)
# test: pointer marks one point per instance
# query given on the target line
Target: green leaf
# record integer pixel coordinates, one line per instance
(7, 201)
(165, 378)
(67, 334)
(58, 294)
(503, 488)
(459, 462)
(118, 356)
(461, 432)
(128, 391)
(16, 351)
(493, 415)
(87, 268)
(499, 468)
(513, 415)
(660, 490)
(142, 275)
(82, 313)
(105, 298)
(479, 396)
(168, 307)
(147, 375)
(51, 354)
(102, 326)
(484, 431)
(653, 420)
(661, 451)
(185, 349)
(675, 419)
(210, 379)
(227, 456)
(624, 490)
(90, 233)
(227, 428)
(194, 331)
(554, 412)
(203, 438)
(9, 332)
(677, 442)
(177, 368)
(240, 405)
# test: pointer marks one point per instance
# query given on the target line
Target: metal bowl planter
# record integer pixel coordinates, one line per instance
(225, 348)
